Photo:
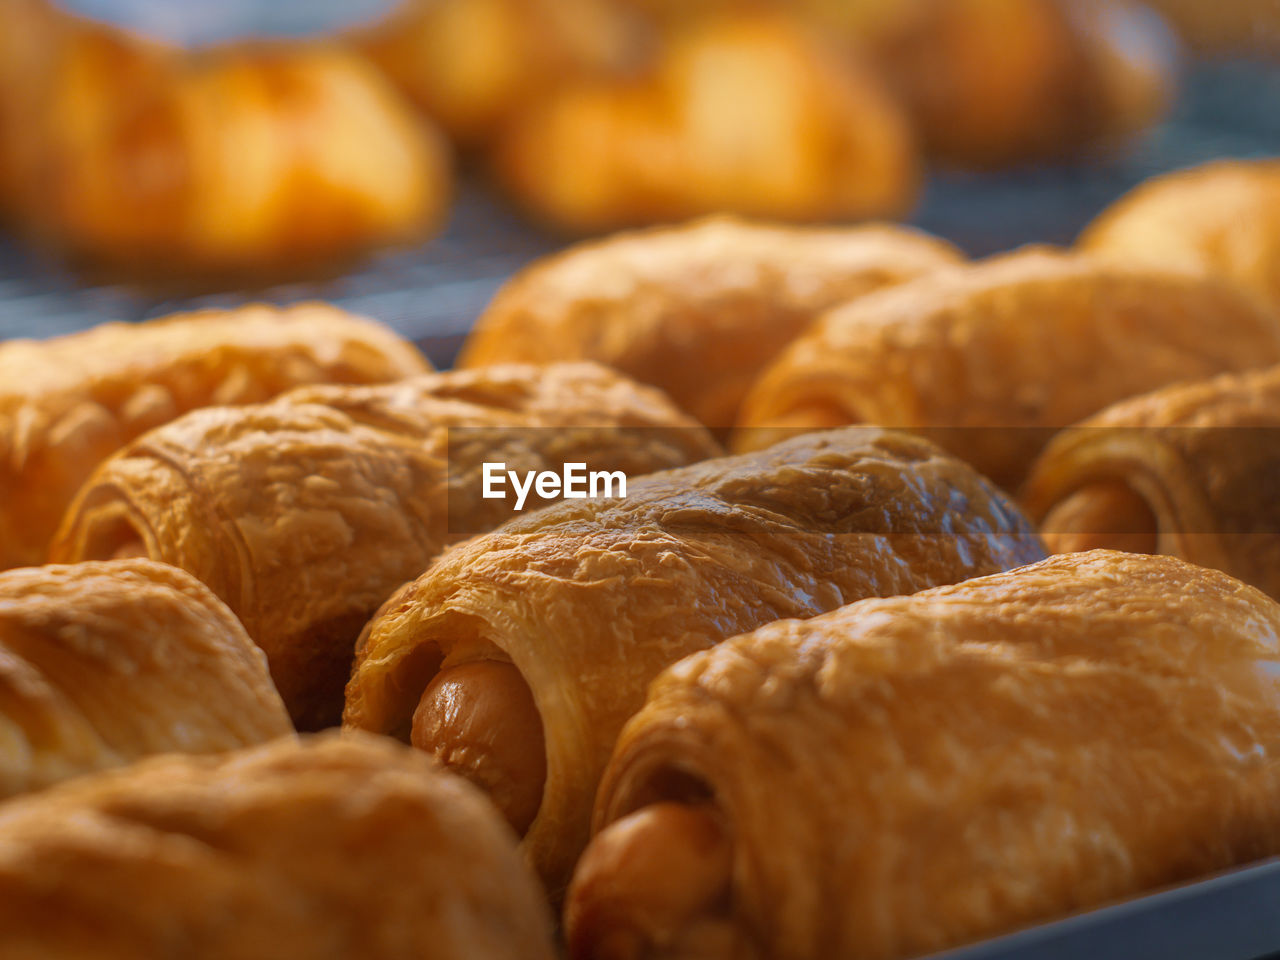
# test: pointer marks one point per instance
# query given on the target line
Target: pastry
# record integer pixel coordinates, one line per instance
(1222, 218)
(1189, 471)
(231, 163)
(753, 115)
(995, 357)
(67, 403)
(517, 656)
(306, 513)
(103, 663)
(474, 64)
(697, 309)
(906, 775)
(328, 849)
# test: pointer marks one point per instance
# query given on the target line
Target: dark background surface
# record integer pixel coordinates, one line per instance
(433, 293)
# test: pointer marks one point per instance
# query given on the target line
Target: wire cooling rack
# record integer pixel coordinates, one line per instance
(432, 293)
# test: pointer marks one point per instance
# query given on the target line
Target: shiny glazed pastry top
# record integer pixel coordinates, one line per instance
(1221, 219)
(68, 403)
(103, 663)
(697, 309)
(304, 514)
(911, 774)
(991, 359)
(325, 849)
(533, 644)
(1190, 470)
(241, 162)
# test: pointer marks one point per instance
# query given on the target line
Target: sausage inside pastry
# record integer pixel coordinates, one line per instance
(325, 849)
(754, 115)
(698, 309)
(517, 657)
(240, 162)
(1190, 470)
(991, 359)
(907, 775)
(66, 404)
(306, 513)
(102, 663)
(1221, 219)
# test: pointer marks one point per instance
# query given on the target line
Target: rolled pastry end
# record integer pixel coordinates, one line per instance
(1106, 514)
(479, 719)
(656, 883)
(114, 537)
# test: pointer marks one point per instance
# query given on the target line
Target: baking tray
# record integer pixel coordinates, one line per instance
(1233, 916)
(432, 293)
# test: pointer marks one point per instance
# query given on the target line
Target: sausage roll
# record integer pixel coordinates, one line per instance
(68, 403)
(1189, 470)
(325, 849)
(699, 309)
(102, 663)
(993, 358)
(234, 163)
(305, 514)
(517, 657)
(906, 775)
(474, 64)
(1221, 219)
(751, 115)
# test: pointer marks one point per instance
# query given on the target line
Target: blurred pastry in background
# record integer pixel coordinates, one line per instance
(68, 403)
(103, 663)
(994, 82)
(245, 161)
(474, 64)
(1222, 218)
(991, 359)
(907, 775)
(321, 849)
(1190, 471)
(305, 514)
(697, 310)
(517, 657)
(756, 115)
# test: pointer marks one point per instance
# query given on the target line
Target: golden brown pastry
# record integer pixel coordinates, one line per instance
(536, 641)
(698, 309)
(906, 775)
(993, 358)
(1222, 219)
(103, 663)
(991, 82)
(237, 162)
(325, 849)
(751, 115)
(1190, 470)
(473, 64)
(305, 514)
(66, 404)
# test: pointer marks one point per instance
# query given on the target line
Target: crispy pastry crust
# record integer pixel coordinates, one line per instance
(910, 774)
(697, 310)
(1203, 457)
(757, 115)
(66, 404)
(1010, 349)
(327, 849)
(239, 162)
(305, 514)
(592, 599)
(1222, 219)
(102, 663)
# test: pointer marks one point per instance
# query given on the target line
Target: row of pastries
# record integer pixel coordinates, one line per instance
(219, 164)
(942, 601)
